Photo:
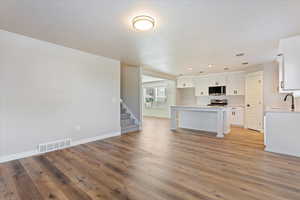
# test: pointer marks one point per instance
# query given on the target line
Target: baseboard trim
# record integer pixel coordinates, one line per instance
(18, 156)
(282, 152)
(26, 154)
(92, 139)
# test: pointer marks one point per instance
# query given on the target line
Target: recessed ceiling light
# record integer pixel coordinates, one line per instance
(210, 66)
(239, 54)
(143, 23)
(245, 63)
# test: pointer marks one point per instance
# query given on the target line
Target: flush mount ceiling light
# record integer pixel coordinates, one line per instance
(210, 66)
(143, 23)
(239, 54)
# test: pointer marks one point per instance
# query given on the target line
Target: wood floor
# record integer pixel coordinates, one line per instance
(156, 164)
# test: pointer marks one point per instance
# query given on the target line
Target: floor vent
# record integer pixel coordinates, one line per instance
(55, 145)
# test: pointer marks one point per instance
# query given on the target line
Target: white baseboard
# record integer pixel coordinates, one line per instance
(281, 151)
(21, 155)
(92, 139)
(17, 156)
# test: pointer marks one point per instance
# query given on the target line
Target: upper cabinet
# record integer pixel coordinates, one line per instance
(289, 63)
(185, 82)
(217, 80)
(201, 86)
(235, 84)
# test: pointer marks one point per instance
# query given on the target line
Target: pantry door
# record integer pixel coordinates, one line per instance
(254, 101)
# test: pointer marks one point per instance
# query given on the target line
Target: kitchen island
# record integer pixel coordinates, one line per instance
(281, 131)
(203, 118)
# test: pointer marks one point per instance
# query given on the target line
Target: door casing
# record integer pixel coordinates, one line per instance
(254, 98)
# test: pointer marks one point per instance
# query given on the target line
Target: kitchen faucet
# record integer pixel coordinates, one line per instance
(293, 100)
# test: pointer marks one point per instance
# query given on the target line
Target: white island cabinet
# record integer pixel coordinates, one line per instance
(282, 132)
(203, 118)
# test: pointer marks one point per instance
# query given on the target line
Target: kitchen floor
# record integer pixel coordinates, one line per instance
(157, 163)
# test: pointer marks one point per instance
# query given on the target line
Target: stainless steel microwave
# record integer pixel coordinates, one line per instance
(217, 90)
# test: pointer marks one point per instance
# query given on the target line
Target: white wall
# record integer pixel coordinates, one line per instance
(48, 91)
(272, 98)
(157, 74)
(186, 96)
(131, 85)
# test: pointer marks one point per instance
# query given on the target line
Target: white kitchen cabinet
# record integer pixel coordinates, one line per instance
(185, 82)
(217, 80)
(282, 132)
(201, 86)
(235, 84)
(237, 116)
(289, 62)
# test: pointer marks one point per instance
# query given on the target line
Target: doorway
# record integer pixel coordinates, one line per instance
(158, 95)
(254, 101)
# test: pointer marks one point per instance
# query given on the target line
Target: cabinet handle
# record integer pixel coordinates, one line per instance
(283, 71)
(282, 85)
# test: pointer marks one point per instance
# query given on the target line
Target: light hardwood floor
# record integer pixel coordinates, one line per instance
(157, 164)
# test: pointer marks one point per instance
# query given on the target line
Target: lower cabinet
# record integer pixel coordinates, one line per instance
(237, 116)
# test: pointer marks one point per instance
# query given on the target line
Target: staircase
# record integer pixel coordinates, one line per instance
(129, 123)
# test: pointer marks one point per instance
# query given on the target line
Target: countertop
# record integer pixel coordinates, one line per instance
(203, 107)
(281, 110)
(206, 106)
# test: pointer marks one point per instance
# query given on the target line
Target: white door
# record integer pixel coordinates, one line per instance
(254, 101)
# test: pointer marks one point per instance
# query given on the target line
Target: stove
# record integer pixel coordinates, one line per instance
(218, 102)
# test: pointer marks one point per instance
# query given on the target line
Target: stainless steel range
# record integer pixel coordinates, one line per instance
(218, 102)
